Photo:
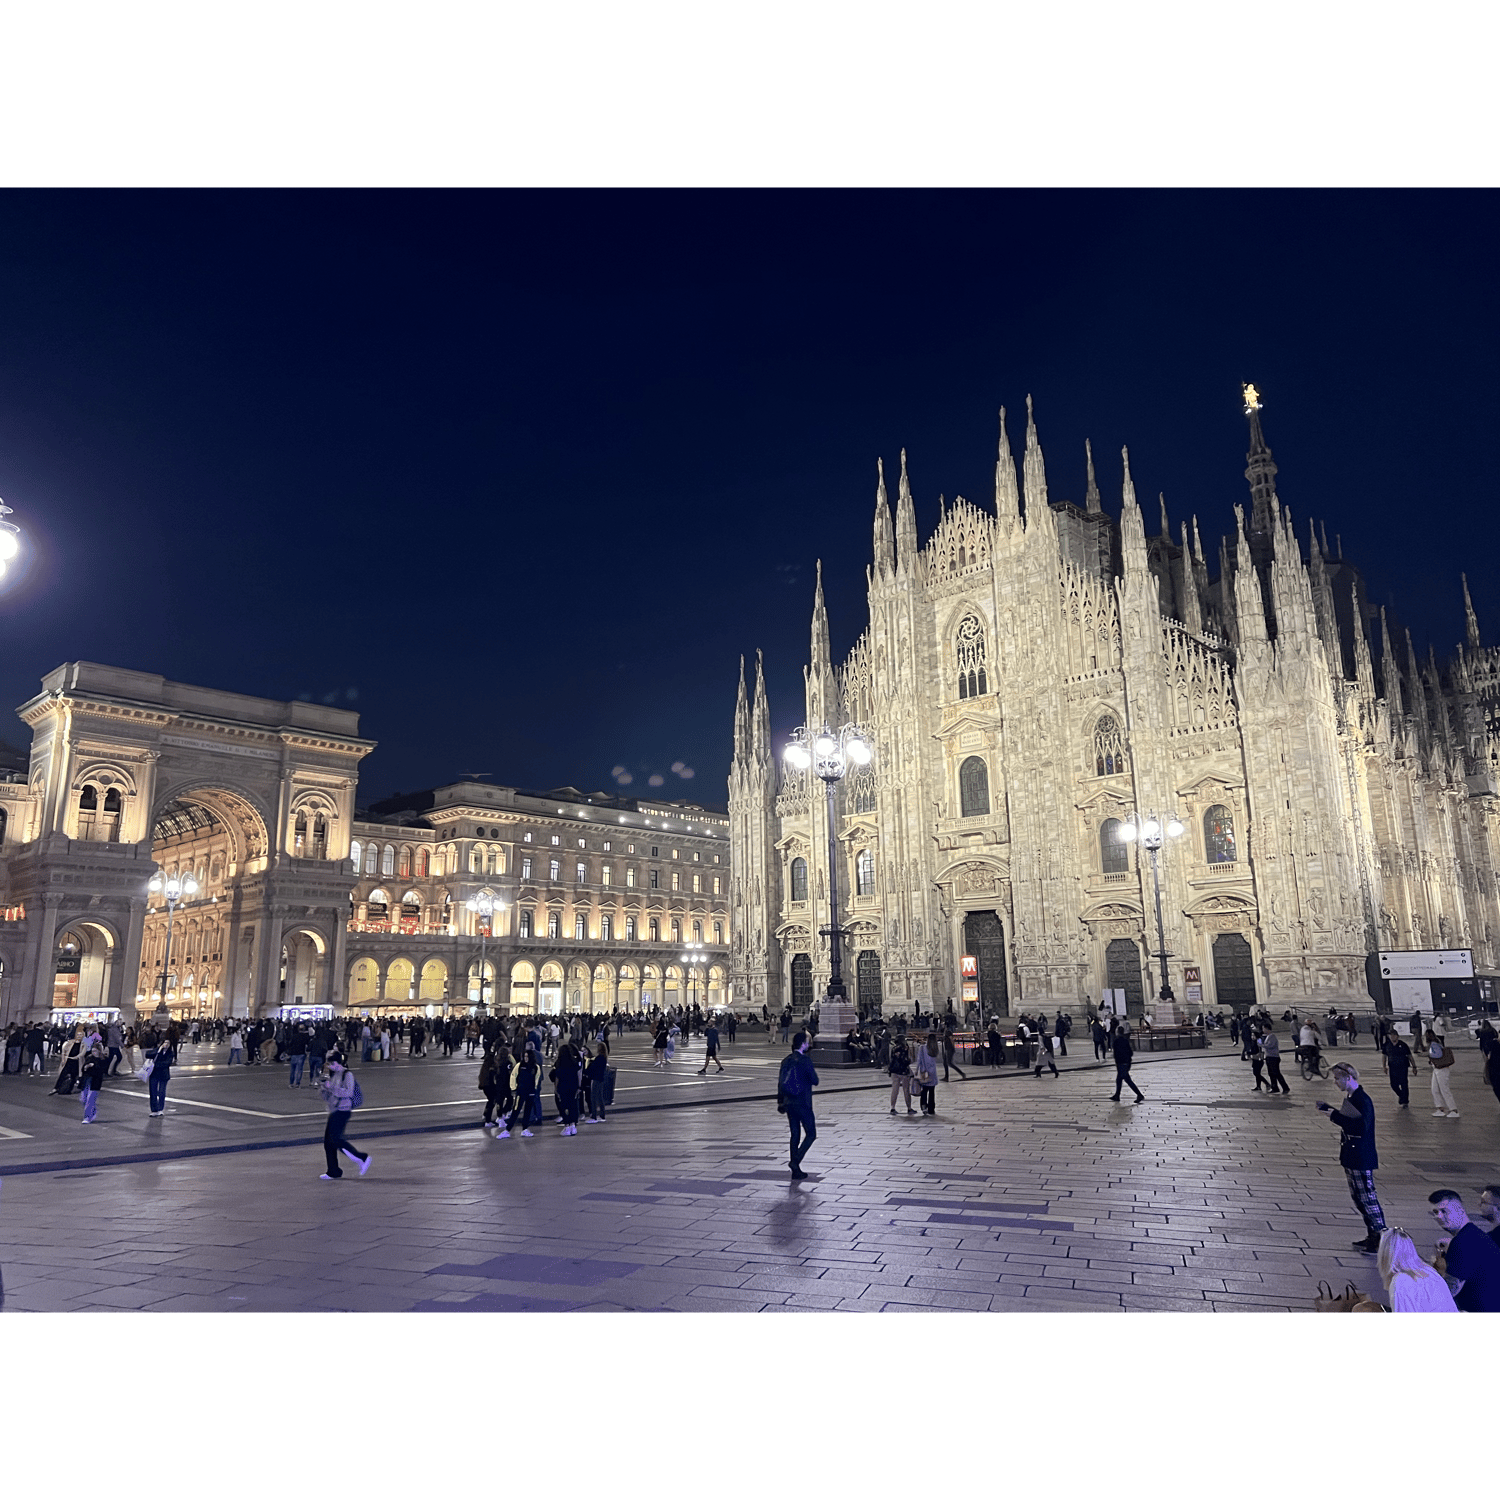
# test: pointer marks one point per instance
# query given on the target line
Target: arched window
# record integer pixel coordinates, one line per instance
(1109, 747)
(320, 837)
(525, 931)
(1218, 835)
(676, 929)
(799, 879)
(403, 865)
(1114, 853)
(864, 873)
(607, 929)
(718, 932)
(629, 929)
(88, 799)
(973, 788)
(299, 835)
(112, 814)
(476, 860)
(372, 853)
(580, 928)
(424, 864)
(655, 930)
(388, 861)
(554, 924)
(697, 932)
(969, 653)
(356, 849)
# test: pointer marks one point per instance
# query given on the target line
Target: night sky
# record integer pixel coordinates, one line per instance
(520, 475)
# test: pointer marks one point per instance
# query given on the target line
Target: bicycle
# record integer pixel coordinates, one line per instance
(1311, 1062)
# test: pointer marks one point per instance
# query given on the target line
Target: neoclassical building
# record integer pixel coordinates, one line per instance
(1035, 674)
(600, 900)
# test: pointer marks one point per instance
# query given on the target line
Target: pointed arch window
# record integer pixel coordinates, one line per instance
(864, 873)
(299, 835)
(1109, 747)
(799, 879)
(973, 788)
(1218, 835)
(1114, 853)
(320, 837)
(973, 681)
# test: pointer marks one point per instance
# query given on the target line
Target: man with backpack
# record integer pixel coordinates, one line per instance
(794, 1099)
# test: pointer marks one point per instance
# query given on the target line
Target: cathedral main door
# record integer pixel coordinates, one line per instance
(802, 986)
(984, 937)
(1122, 961)
(1234, 971)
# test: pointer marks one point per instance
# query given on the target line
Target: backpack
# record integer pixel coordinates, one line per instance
(358, 1097)
(790, 1082)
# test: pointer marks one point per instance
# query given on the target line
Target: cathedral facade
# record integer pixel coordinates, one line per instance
(1036, 676)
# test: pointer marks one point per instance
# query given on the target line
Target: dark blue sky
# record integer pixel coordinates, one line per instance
(520, 475)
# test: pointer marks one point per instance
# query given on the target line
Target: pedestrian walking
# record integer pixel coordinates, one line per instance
(161, 1057)
(1124, 1052)
(296, 1054)
(1062, 1027)
(1398, 1067)
(114, 1039)
(1440, 1060)
(1101, 1039)
(1471, 1261)
(711, 1048)
(67, 1075)
(342, 1093)
(95, 1070)
(1414, 1286)
(659, 1046)
(236, 1047)
(927, 1073)
(899, 1069)
(1044, 1057)
(1355, 1118)
(794, 1086)
(1270, 1046)
(950, 1055)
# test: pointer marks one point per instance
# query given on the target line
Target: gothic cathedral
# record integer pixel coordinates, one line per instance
(1035, 678)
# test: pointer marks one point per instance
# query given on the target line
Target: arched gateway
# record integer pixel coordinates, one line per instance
(129, 774)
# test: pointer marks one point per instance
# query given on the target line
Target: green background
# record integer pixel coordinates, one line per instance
(585, 93)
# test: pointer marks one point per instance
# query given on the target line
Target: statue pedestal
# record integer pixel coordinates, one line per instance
(836, 1014)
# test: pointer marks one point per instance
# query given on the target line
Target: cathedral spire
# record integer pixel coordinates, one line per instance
(1166, 525)
(1091, 495)
(885, 556)
(820, 653)
(1192, 611)
(1390, 673)
(1197, 544)
(1007, 496)
(1261, 472)
(741, 720)
(760, 716)
(1035, 473)
(1471, 620)
(1132, 528)
(906, 522)
(1249, 601)
(1364, 668)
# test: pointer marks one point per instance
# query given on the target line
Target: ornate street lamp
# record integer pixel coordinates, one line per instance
(10, 539)
(829, 753)
(693, 962)
(1150, 832)
(174, 889)
(486, 906)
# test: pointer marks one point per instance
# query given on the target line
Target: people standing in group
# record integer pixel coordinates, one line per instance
(1471, 1258)
(927, 1073)
(794, 1086)
(161, 1057)
(1398, 1067)
(1124, 1053)
(94, 1071)
(494, 1082)
(1355, 1119)
(1270, 1046)
(711, 1047)
(296, 1055)
(567, 1071)
(1440, 1060)
(236, 1046)
(1414, 1286)
(899, 1068)
(528, 1080)
(342, 1094)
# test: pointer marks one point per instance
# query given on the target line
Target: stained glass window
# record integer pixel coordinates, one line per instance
(1218, 835)
(864, 873)
(1114, 855)
(1109, 747)
(973, 787)
(969, 651)
(799, 880)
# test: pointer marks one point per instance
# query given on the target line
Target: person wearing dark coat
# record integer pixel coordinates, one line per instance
(1398, 1066)
(596, 1076)
(528, 1077)
(68, 1076)
(494, 1080)
(162, 1057)
(566, 1073)
(794, 1086)
(1355, 1118)
(1124, 1052)
(95, 1069)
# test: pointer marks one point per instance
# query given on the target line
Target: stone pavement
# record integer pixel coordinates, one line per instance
(1022, 1195)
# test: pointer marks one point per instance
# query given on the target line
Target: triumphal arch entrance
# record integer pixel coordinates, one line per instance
(248, 802)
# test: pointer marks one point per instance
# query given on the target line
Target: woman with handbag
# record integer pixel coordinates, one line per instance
(160, 1059)
(72, 1055)
(927, 1073)
(900, 1071)
(1440, 1059)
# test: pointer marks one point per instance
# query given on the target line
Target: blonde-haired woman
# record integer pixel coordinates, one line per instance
(1413, 1284)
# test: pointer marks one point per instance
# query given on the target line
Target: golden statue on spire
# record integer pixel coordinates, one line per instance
(1252, 399)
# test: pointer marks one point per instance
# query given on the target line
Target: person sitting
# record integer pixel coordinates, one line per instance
(1413, 1284)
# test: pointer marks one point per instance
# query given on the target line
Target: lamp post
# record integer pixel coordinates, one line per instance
(1151, 832)
(829, 753)
(693, 961)
(10, 539)
(486, 906)
(174, 888)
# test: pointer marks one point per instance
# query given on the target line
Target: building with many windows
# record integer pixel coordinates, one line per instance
(290, 895)
(1033, 680)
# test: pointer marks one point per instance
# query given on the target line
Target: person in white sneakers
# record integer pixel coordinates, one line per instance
(1440, 1060)
(526, 1088)
(341, 1092)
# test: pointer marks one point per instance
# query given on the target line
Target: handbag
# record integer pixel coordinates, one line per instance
(146, 1069)
(1325, 1301)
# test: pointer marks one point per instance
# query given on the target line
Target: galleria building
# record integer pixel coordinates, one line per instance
(578, 902)
(1032, 679)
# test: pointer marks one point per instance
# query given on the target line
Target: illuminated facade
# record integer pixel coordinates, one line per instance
(1032, 678)
(300, 899)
